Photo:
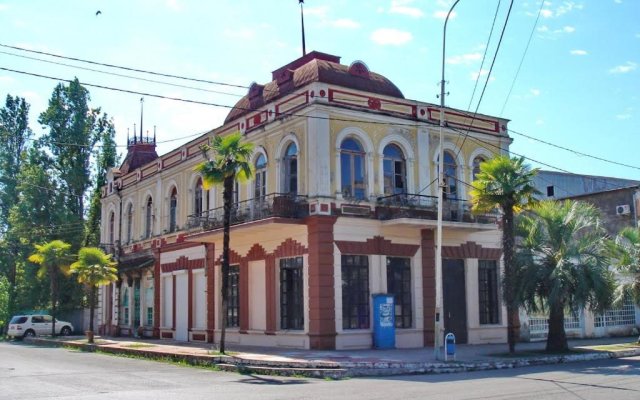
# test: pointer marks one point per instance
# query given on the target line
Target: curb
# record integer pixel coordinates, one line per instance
(336, 370)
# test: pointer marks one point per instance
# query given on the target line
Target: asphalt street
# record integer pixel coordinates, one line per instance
(28, 372)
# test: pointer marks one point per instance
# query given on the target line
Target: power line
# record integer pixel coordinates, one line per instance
(486, 50)
(122, 75)
(486, 82)
(124, 68)
(533, 29)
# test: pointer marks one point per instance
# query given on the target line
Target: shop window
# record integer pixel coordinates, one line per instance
(355, 292)
(291, 294)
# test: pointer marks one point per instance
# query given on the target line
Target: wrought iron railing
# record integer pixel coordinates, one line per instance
(271, 205)
(407, 205)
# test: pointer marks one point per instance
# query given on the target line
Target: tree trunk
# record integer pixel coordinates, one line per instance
(92, 306)
(557, 338)
(53, 275)
(227, 196)
(513, 319)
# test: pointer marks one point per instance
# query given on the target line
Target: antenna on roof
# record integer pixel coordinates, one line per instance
(154, 134)
(304, 50)
(141, 113)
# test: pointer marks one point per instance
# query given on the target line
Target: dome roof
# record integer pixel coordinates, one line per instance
(313, 67)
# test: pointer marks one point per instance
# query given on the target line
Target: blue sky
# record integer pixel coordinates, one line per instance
(578, 87)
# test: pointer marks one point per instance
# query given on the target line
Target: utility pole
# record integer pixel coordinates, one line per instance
(441, 186)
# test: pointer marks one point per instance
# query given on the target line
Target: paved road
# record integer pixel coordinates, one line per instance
(28, 372)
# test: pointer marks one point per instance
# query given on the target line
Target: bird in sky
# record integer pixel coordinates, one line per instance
(98, 13)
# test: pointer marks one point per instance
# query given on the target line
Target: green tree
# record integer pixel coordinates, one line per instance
(74, 131)
(106, 157)
(624, 250)
(14, 135)
(562, 263)
(94, 268)
(54, 258)
(230, 162)
(4, 303)
(507, 184)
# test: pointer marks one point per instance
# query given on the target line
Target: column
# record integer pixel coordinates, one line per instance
(244, 296)
(270, 294)
(322, 325)
(428, 284)
(156, 294)
(211, 288)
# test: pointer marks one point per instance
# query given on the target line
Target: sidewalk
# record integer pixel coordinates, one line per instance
(337, 364)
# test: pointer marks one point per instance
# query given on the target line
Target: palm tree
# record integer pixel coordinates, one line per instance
(94, 268)
(507, 184)
(53, 258)
(230, 162)
(625, 257)
(562, 263)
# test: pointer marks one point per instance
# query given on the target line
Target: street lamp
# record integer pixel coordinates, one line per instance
(441, 186)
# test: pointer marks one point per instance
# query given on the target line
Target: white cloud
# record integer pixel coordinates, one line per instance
(174, 5)
(623, 69)
(240, 33)
(578, 52)
(539, 121)
(345, 23)
(404, 7)
(320, 11)
(464, 58)
(569, 29)
(483, 72)
(617, 1)
(535, 92)
(543, 28)
(390, 36)
(442, 14)
(545, 13)
(623, 116)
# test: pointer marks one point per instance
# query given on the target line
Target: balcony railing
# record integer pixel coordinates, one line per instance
(271, 205)
(418, 206)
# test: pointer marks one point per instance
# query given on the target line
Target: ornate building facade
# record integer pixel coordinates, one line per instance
(342, 205)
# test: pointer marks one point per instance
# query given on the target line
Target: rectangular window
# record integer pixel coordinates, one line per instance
(399, 284)
(550, 191)
(291, 296)
(488, 292)
(355, 292)
(233, 293)
(149, 316)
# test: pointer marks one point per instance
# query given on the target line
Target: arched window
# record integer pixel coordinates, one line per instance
(352, 164)
(476, 166)
(148, 226)
(261, 177)
(197, 198)
(236, 193)
(129, 223)
(393, 165)
(290, 170)
(450, 175)
(112, 224)
(173, 207)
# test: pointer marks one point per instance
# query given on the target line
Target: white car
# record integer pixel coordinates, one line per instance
(35, 325)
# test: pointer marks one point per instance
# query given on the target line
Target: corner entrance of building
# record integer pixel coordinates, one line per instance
(454, 298)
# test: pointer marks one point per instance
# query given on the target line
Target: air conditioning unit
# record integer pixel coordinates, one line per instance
(623, 209)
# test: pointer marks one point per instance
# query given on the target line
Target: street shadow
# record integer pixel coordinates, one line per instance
(253, 379)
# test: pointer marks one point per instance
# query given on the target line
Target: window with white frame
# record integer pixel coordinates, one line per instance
(353, 170)
(130, 223)
(173, 210)
(394, 170)
(290, 170)
(291, 294)
(148, 226)
(260, 184)
(476, 166)
(197, 198)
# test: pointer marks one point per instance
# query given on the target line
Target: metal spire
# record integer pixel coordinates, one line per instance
(141, 113)
(304, 50)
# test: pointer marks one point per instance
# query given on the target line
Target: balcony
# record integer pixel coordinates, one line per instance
(418, 206)
(272, 205)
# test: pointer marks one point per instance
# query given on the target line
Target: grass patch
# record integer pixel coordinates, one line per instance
(137, 345)
(218, 353)
(540, 353)
(167, 360)
(614, 347)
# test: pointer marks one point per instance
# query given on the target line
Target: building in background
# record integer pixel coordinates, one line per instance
(342, 206)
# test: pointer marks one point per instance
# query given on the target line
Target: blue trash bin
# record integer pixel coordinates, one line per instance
(450, 346)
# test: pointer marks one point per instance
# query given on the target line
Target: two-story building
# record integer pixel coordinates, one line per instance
(341, 206)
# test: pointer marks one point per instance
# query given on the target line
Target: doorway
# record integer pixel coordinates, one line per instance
(454, 299)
